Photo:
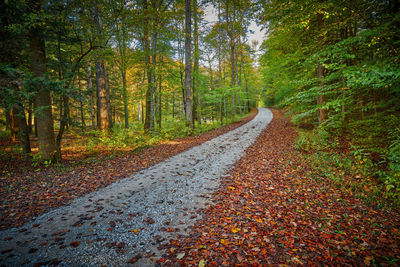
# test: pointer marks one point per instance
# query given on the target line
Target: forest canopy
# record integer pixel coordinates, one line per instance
(108, 64)
(335, 66)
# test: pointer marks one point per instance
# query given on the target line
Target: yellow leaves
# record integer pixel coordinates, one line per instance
(202, 263)
(258, 220)
(235, 230)
(224, 242)
(231, 188)
(367, 260)
(296, 260)
(136, 231)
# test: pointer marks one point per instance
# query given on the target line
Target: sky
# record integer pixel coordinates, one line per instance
(211, 16)
(255, 32)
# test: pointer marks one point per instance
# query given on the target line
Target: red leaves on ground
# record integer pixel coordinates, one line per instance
(25, 195)
(75, 244)
(271, 210)
(135, 259)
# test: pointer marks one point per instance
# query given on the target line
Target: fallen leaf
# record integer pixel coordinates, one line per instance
(75, 244)
(180, 255)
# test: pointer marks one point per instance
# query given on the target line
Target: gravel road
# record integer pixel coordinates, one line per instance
(135, 216)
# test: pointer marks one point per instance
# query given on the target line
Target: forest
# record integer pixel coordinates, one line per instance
(101, 75)
(334, 65)
(106, 66)
(286, 149)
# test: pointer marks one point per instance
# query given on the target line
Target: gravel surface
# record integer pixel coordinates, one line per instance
(131, 219)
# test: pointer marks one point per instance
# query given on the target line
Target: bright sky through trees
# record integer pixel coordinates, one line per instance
(256, 33)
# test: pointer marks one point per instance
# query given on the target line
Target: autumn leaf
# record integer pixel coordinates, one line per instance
(74, 244)
(180, 255)
(224, 242)
(235, 230)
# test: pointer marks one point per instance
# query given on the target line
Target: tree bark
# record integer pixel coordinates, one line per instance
(102, 105)
(23, 131)
(103, 113)
(108, 99)
(159, 109)
(149, 120)
(125, 95)
(30, 116)
(232, 44)
(90, 91)
(322, 113)
(47, 146)
(13, 125)
(188, 64)
(195, 63)
(63, 124)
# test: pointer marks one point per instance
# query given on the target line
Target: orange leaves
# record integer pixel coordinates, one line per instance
(31, 186)
(235, 230)
(224, 242)
(270, 211)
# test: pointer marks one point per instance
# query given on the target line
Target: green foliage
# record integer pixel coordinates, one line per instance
(358, 54)
(119, 138)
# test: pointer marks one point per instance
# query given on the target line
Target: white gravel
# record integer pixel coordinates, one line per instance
(137, 213)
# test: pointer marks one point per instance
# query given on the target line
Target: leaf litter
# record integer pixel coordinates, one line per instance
(271, 210)
(24, 196)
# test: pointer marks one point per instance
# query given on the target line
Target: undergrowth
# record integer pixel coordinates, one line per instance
(372, 176)
(136, 138)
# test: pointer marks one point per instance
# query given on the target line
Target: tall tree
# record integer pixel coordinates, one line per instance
(196, 65)
(103, 120)
(188, 63)
(43, 104)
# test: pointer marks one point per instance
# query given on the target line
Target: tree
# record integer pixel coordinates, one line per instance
(188, 63)
(43, 111)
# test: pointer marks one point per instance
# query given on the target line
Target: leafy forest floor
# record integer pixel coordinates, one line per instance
(274, 209)
(27, 191)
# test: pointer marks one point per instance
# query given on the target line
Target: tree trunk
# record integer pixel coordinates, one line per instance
(159, 109)
(188, 64)
(30, 116)
(102, 106)
(45, 128)
(63, 124)
(322, 113)
(125, 95)
(13, 125)
(8, 119)
(23, 131)
(90, 91)
(195, 82)
(149, 120)
(247, 91)
(139, 110)
(109, 108)
(83, 125)
(219, 44)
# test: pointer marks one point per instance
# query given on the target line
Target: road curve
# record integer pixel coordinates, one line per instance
(135, 215)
